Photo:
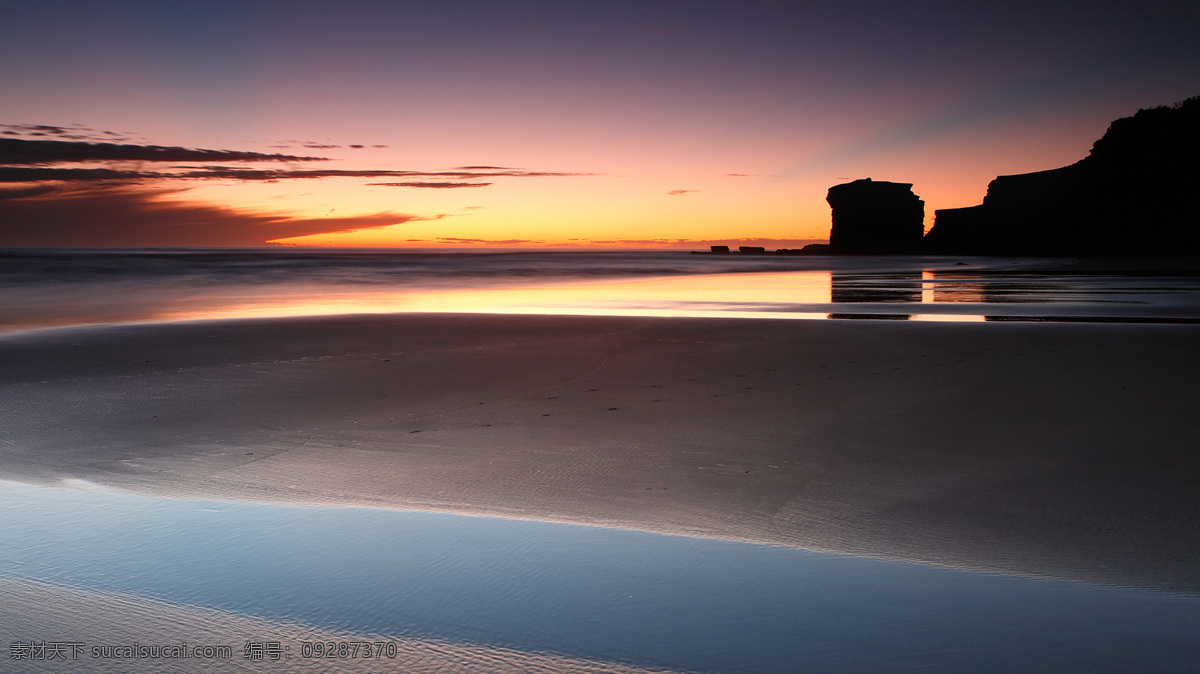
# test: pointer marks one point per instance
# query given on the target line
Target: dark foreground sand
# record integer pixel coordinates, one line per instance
(1051, 449)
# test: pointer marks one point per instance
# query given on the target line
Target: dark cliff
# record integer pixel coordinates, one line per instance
(1135, 193)
(875, 217)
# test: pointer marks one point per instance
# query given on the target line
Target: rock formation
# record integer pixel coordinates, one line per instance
(875, 217)
(1133, 194)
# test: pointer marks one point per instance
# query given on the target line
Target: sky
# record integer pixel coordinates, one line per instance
(545, 124)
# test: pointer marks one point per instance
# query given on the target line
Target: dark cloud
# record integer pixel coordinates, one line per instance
(26, 161)
(676, 193)
(232, 173)
(534, 174)
(357, 147)
(698, 244)
(33, 128)
(21, 152)
(72, 132)
(131, 216)
(9, 174)
(319, 146)
(488, 172)
(39, 128)
(26, 192)
(25, 172)
(376, 146)
(55, 201)
(434, 185)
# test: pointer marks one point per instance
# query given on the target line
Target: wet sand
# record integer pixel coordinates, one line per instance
(1050, 449)
(112, 621)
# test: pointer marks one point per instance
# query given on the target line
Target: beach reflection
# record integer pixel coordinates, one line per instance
(698, 296)
(618, 286)
(765, 295)
(947, 287)
(880, 288)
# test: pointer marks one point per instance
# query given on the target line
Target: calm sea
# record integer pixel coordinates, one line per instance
(48, 288)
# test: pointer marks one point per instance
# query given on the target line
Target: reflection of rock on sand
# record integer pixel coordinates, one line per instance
(848, 287)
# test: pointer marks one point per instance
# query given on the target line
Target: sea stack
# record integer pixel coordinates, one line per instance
(875, 217)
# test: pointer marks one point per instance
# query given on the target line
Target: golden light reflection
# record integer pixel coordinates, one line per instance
(783, 295)
(950, 286)
(724, 295)
(778, 295)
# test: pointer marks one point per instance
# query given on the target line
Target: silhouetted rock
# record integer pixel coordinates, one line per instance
(719, 249)
(752, 250)
(1133, 194)
(810, 249)
(959, 231)
(875, 217)
(815, 249)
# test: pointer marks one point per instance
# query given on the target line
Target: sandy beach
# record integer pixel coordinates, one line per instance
(37, 608)
(1060, 450)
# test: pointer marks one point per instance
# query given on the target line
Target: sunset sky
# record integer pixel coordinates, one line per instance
(545, 123)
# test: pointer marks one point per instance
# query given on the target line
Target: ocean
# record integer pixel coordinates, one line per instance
(41, 288)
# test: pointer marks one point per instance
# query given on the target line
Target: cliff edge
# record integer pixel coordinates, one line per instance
(1135, 193)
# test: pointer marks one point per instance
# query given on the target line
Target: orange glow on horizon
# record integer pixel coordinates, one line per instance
(641, 201)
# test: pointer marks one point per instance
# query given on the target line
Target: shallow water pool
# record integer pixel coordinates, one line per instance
(615, 595)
